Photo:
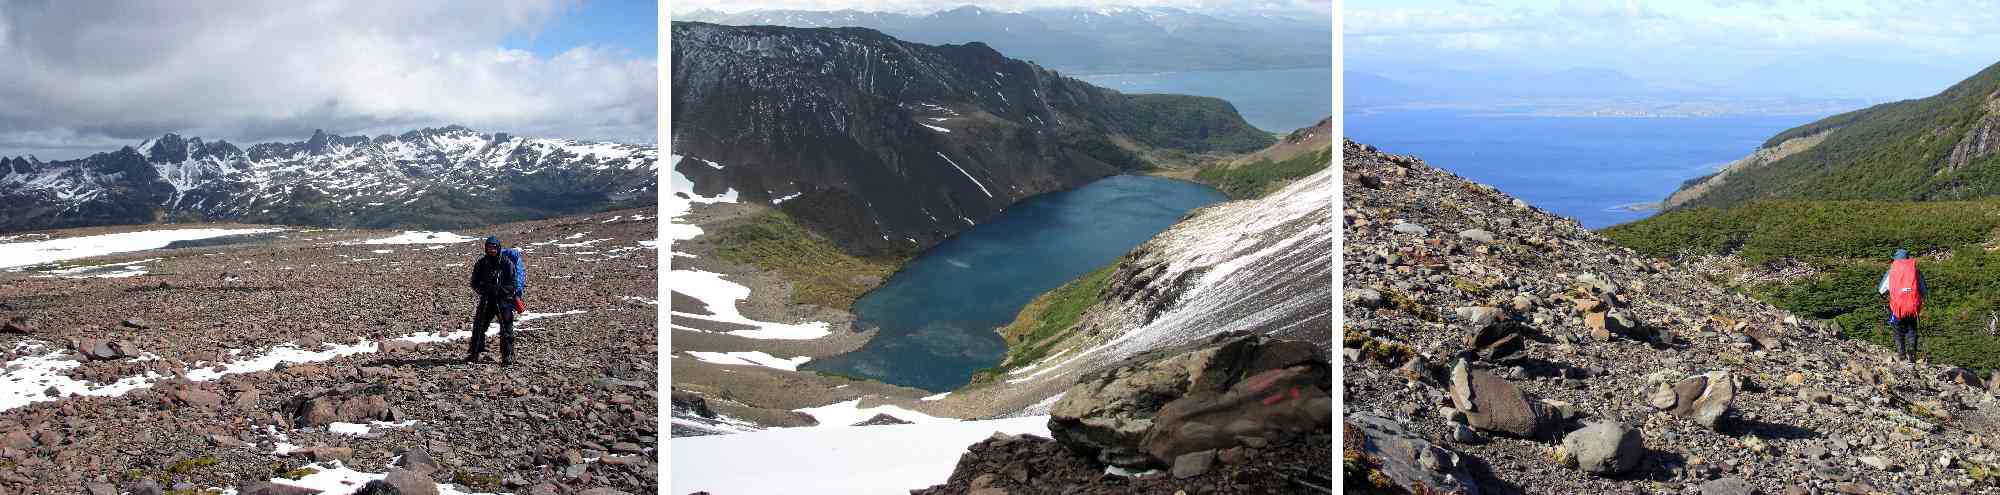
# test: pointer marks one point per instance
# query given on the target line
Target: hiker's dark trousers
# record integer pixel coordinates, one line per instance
(488, 310)
(1906, 338)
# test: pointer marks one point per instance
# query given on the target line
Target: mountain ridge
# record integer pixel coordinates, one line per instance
(1095, 41)
(430, 177)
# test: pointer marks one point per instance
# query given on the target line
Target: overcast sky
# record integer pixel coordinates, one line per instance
(1321, 9)
(84, 77)
(1897, 49)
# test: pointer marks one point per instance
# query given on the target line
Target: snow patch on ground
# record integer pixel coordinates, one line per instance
(934, 128)
(838, 459)
(334, 477)
(752, 358)
(851, 412)
(20, 254)
(358, 429)
(936, 397)
(422, 237)
(720, 297)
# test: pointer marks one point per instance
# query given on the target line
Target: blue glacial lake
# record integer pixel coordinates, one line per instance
(938, 315)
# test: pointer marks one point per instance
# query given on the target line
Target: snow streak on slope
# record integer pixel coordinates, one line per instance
(968, 176)
(845, 459)
(1262, 266)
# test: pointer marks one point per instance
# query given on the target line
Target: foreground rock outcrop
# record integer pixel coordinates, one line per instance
(1234, 413)
(1535, 356)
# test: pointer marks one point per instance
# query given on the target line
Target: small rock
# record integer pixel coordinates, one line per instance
(1877, 462)
(1476, 235)
(1726, 486)
(1606, 448)
(1193, 464)
(1411, 228)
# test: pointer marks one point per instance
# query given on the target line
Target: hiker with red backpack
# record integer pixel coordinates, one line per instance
(1904, 285)
(497, 279)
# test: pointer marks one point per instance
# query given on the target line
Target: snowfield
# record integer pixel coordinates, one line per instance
(14, 255)
(839, 459)
(422, 237)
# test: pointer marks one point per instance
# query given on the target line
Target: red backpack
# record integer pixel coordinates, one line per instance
(1905, 300)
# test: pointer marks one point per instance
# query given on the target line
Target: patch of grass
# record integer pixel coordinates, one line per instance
(189, 466)
(1257, 179)
(476, 481)
(1407, 304)
(1042, 324)
(820, 273)
(298, 473)
(842, 376)
(1390, 353)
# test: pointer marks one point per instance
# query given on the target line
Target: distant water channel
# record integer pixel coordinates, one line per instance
(938, 315)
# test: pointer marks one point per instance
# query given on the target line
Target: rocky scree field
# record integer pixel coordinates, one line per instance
(329, 359)
(1492, 347)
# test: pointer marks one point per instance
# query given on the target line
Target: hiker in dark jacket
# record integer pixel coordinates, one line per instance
(493, 279)
(1904, 285)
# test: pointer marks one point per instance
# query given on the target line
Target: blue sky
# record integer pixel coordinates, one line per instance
(623, 24)
(1853, 48)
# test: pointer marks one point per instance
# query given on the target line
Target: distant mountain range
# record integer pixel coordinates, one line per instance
(433, 177)
(887, 146)
(1092, 41)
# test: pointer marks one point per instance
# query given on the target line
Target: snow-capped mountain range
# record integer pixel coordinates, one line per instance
(432, 177)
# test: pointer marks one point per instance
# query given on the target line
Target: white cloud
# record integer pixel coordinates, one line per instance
(81, 74)
(1713, 41)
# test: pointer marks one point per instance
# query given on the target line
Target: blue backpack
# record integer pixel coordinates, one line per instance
(513, 256)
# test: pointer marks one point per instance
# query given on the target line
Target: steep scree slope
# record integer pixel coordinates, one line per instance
(1559, 328)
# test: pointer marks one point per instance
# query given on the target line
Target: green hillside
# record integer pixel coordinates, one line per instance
(1892, 151)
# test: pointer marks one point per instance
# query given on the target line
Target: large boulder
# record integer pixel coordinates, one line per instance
(1230, 389)
(1705, 398)
(1606, 448)
(106, 349)
(399, 482)
(19, 324)
(1962, 376)
(357, 406)
(1492, 404)
(1404, 459)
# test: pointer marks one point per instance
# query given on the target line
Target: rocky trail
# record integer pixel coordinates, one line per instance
(1493, 347)
(330, 358)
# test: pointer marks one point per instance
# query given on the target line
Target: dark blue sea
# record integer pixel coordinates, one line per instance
(1275, 100)
(1592, 169)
